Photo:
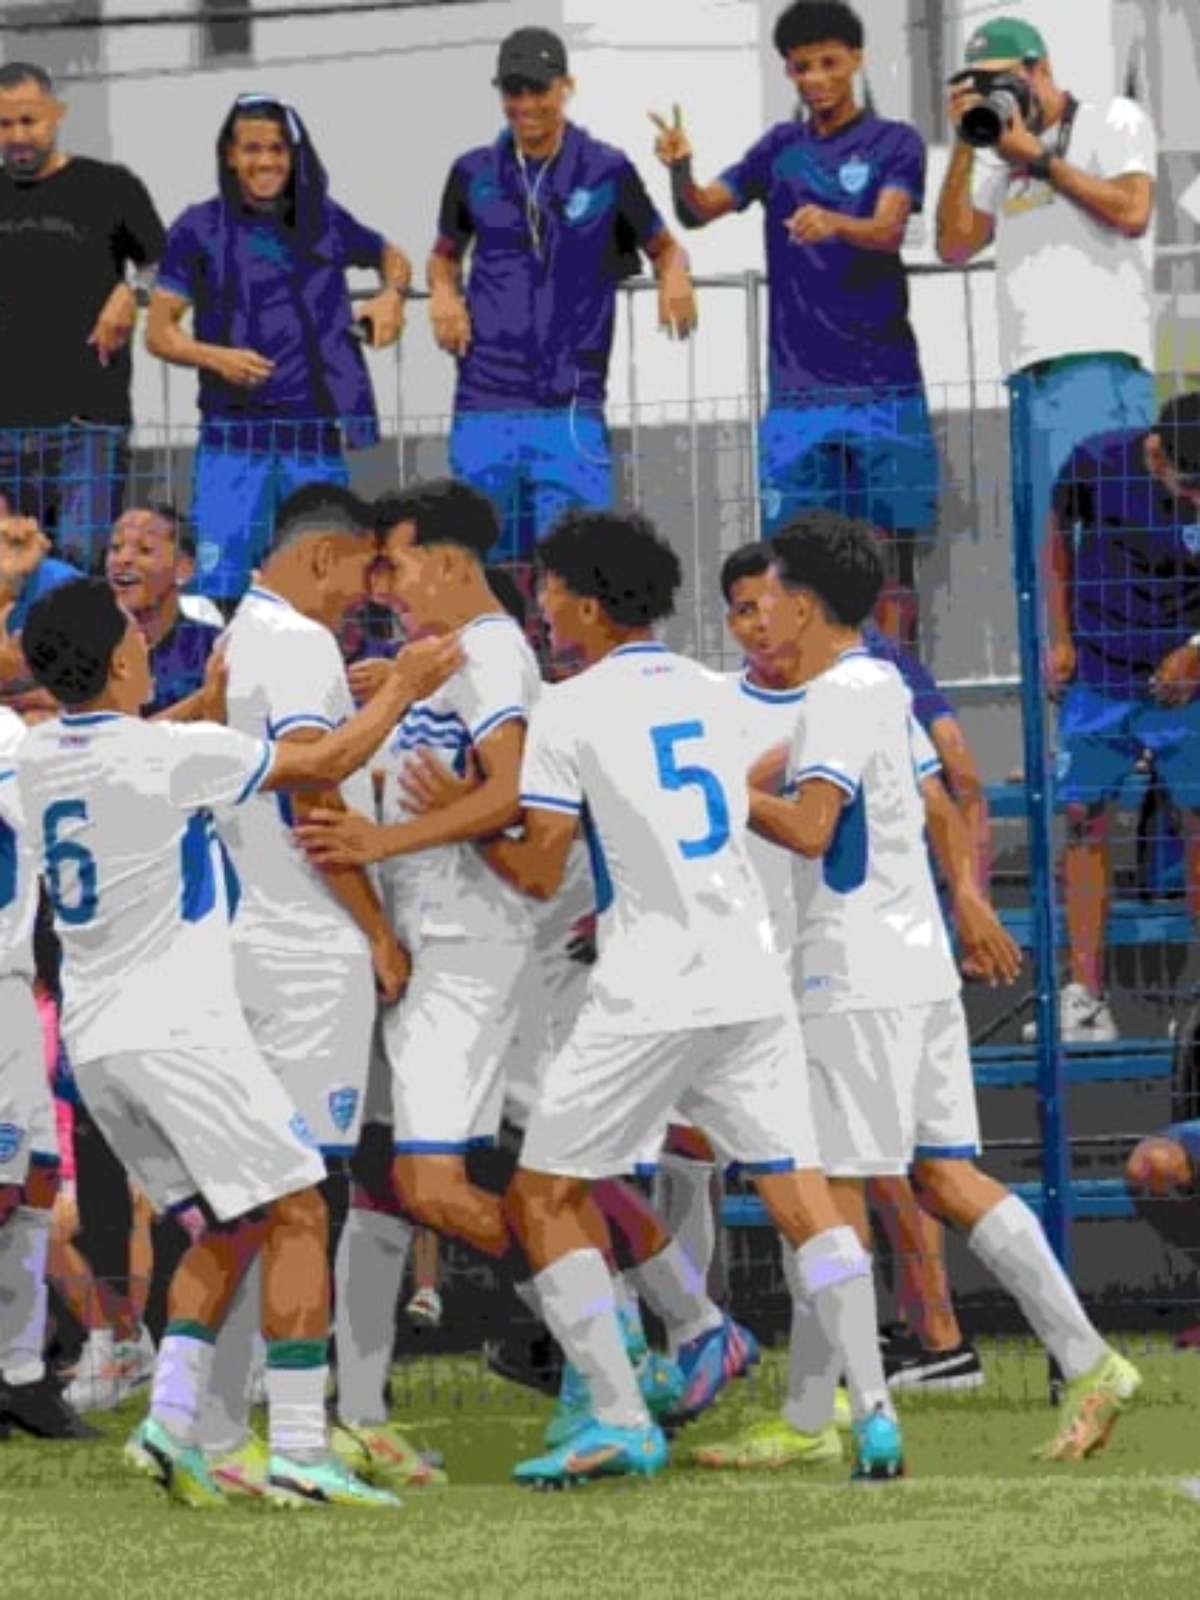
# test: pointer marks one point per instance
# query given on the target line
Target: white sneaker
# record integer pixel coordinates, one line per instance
(425, 1308)
(96, 1383)
(1082, 1019)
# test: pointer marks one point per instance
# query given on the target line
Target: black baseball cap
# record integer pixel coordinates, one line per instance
(533, 54)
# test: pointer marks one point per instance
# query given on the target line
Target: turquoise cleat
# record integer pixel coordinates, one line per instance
(597, 1451)
(878, 1449)
(326, 1482)
(181, 1469)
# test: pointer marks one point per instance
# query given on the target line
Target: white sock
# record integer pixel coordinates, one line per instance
(579, 1306)
(24, 1241)
(683, 1198)
(368, 1273)
(674, 1288)
(835, 1273)
(181, 1376)
(814, 1362)
(1010, 1242)
(224, 1421)
(296, 1424)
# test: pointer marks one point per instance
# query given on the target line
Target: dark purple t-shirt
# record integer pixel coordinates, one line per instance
(1135, 588)
(543, 308)
(178, 660)
(929, 703)
(839, 314)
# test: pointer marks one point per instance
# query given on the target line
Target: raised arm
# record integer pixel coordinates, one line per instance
(695, 204)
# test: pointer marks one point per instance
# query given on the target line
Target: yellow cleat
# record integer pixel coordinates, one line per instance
(843, 1415)
(771, 1444)
(1091, 1406)
(242, 1471)
(380, 1453)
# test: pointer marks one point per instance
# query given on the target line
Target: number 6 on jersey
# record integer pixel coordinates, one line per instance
(672, 776)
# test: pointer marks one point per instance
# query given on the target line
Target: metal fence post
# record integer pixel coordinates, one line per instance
(753, 390)
(631, 392)
(1051, 1074)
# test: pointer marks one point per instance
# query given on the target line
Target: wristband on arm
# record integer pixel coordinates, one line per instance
(681, 182)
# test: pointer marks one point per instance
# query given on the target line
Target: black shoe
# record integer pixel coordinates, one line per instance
(41, 1409)
(934, 1371)
(535, 1363)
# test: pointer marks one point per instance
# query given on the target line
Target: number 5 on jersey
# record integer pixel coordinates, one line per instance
(672, 776)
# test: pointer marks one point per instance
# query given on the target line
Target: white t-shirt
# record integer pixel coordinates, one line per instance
(648, 747)
(872, 936)
(1065, 283)
(134, 869)
(200, 609)
(286, 672)
(18, 862)
(449, 892)
(770, 717)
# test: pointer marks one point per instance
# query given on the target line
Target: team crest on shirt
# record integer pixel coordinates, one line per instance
(302, 1131)
(853, 175)
(577, 205)
(10, 1140)
(342, 1106)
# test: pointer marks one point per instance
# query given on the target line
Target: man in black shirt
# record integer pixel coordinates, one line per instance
(70, 229)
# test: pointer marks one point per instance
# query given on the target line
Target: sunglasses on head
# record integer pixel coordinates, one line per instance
(245, 101)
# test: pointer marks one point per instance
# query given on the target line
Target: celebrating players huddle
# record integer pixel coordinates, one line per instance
(260, 957)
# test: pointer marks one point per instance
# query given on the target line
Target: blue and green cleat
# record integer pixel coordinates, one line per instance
(708, 1363)
(180, 1469)
(659, 1379)
(328, 1482)
(878, 1449)
(597, 1451)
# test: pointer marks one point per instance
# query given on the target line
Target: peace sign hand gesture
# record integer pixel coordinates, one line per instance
(672, 145)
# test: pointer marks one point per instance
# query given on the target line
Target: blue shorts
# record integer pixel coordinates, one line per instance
(235, 495)
(1100, 740)
(533, 465)
(873, 459)
(1186, 1134)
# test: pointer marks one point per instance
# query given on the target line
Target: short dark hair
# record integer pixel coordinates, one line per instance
(508, 591)
(69, 638)
(175, 520)
(272, 111)
(1178, 427)
(836, 558)
(14, 73)
(620, 560)
(814, 21)
(321, 508)
(750, 561)
(442, 511)
(22, 499)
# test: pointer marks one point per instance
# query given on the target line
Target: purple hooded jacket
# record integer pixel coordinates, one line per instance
(278, 286)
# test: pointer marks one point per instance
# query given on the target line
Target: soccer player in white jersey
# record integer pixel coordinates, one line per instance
(688, 1003)
(880, 1003)
(29, 1397)
(469, 935)
(120, 810)
(311, 947)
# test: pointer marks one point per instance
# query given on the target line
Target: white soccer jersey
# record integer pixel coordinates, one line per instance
(118, 809)
(647, 746)
(871, 930)
(448, 892)
(770, 717)
(286, 672)
(18, 861)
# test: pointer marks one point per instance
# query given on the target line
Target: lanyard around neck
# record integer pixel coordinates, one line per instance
(533, 216)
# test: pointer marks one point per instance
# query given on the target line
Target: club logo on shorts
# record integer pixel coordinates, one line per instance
(342, 1106)
(302, 1131)
(577, 205)
(853, 175)
(10, 1140)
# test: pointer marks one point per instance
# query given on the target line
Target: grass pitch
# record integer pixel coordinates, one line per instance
(976, 1519)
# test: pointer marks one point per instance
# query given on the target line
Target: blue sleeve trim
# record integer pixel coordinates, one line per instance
(259, 773)
(551, 802)
(496, 720)
(731, 183)
(301, 719)
(837, 778)
(928, 769)
(173, 286)
(9, 772)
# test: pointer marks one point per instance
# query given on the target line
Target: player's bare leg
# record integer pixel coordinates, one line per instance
(1006, 1236)
(436, 1191)
(918, 1244)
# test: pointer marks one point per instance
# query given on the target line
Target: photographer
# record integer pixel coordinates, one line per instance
(1068, 205)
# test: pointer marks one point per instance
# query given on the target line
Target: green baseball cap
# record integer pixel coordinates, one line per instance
(1006, 39)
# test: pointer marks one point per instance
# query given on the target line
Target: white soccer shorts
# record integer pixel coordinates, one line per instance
(606, 1098)
(548, 1005)
(27, 1127)
(892, 1086)
(311, 1017)
(446, 1044)
(201, 1122)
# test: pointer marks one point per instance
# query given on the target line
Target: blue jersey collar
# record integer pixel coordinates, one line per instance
(88, 719)
(641, 648)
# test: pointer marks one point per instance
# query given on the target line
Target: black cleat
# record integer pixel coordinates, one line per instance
(912, 1367)
(42, 1409)
(536, 1363)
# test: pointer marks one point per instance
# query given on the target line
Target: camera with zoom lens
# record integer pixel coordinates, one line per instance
(1004, 94)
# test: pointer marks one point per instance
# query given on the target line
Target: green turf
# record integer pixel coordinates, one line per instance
(977, 1518)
